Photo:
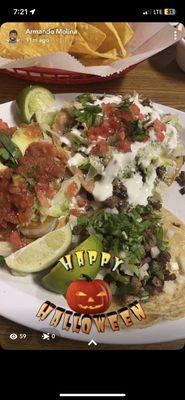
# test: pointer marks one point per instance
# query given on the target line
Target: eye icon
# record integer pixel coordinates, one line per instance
(13, 336)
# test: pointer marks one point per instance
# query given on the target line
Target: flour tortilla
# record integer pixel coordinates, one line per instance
(166, 305)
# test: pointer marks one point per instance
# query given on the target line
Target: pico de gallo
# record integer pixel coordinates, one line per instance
(33, 191)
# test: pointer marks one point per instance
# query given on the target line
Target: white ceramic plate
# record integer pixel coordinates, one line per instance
(21, 297)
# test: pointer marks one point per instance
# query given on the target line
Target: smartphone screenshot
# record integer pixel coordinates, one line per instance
(92, 182)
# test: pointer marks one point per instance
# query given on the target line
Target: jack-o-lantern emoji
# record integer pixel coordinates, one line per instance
(89, 296)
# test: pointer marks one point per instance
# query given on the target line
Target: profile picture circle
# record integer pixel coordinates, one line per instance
(13, 35)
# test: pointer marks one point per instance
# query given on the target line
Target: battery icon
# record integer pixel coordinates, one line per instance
(169, 11)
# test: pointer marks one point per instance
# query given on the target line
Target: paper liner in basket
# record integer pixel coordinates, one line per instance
(148, 39)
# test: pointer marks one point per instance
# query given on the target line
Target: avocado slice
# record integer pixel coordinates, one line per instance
(22, 139)
(58, 279)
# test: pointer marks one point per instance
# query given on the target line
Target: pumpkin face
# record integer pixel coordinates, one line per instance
(86, 297)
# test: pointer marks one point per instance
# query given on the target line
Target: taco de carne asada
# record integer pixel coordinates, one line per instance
(120, 142)
(151, 245)
(100, 168)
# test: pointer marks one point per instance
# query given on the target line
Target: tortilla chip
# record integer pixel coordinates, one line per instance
(92, 35)
(80, 46)
(124, 31)
(169, 179)
(88, 184)
(112, 38)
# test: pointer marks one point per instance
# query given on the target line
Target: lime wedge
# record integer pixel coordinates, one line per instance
(41, 253)
(33, 99)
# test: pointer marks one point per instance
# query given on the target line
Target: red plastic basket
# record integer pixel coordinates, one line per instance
(60, 76)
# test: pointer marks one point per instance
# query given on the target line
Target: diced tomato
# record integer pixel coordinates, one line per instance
(102, 130)
(121, 135)
(136, 111)
(40, 149)
(72, 189)
(159, 126)
(5, 128)
(160, 136)
(109, 108)
(33, 130)
(25, 216)
(16, 240)
(41, 191)
(81, 202)
(127, 116)
(101, 147)
(145, 139)
(114, 124)
(124, 146)
(75, 212)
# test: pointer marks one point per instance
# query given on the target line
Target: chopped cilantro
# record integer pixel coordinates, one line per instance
(134, 223)
(85, 98)
(90, 114)
(10, 151)
(138, 131)
(2, 261)
(157, 271)
(124, 105)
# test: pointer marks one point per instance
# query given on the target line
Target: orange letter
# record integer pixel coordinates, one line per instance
(57, 316)
(125, 316)
(45, 310)
(137, 310)
(66, 323)
(99, 321)
(76, 326)
(86, 323)
(113, 321)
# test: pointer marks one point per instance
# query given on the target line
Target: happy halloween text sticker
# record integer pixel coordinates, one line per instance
(89, 298)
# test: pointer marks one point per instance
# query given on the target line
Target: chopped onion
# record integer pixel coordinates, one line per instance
(154, 251)
(143, 270)
(170, 233)
(174, 266)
